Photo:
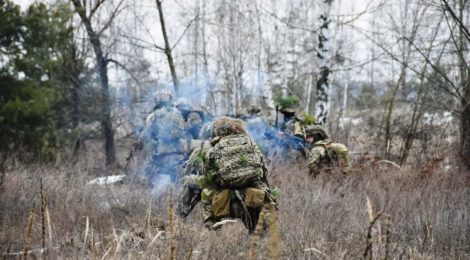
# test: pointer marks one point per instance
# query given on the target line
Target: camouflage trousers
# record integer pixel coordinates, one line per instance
(237, 209)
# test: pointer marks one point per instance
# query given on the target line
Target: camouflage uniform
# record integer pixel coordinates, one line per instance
(325, 155)
(292, 138)
(164, 141)
(234, 183)
(193, 117)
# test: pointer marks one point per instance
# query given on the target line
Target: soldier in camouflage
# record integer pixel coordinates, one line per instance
(325, 155)
(193, 117)
(165, 143)
(234, 183)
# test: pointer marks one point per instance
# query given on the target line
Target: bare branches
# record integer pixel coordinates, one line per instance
(364, 12)
(95, 8)
(111, 18)
(184, 32)
(126, 69)
(457, 20)
(436, 69)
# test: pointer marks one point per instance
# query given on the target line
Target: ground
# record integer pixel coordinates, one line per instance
(423, 214)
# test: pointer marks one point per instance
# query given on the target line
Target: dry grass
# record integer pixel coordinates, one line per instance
(425, 214)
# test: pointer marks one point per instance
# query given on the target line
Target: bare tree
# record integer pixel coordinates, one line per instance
(321, 112)
(462, 41)
(86, 13)
(167, 48)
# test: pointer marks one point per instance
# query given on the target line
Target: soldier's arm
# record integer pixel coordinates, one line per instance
(314, 158)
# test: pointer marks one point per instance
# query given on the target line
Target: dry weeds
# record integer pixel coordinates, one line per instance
(425, 215)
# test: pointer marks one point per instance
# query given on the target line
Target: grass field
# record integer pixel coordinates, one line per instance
(376, 212)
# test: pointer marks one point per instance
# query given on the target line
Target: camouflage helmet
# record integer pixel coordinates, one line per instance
(312, 130)
(163, 97)
(225, 126)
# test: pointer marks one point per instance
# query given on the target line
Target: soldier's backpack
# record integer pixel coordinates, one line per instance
(235, 162)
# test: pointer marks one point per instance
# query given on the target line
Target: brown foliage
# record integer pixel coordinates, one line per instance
(425, 215)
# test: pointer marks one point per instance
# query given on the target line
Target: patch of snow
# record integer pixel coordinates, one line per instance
(108, 179)
(354, 121)
(437, 119)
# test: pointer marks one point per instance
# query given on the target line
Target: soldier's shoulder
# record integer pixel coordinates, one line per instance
(339, 147)
(317, 149)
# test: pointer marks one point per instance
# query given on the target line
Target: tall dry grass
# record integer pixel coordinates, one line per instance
(424, 214)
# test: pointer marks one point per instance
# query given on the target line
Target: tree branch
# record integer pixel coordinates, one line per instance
(457, 20)
(115, 13)
(95, 8)
(125, 68)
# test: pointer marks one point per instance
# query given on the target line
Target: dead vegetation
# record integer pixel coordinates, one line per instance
(377, 212)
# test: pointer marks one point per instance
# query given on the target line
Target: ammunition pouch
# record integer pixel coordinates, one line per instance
(221, 203)
(254, 197)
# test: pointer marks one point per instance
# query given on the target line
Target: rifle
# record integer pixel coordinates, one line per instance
(194, 200)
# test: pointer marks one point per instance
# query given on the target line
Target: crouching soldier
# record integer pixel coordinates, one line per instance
(324, 156)
(234, 183)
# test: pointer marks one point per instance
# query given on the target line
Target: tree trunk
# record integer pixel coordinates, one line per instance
(321, 103)
(168, 48)
(74, 78)
(465, 129)
(106, 121)
(465, 86)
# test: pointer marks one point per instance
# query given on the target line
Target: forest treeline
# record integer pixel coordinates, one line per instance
(65, 64)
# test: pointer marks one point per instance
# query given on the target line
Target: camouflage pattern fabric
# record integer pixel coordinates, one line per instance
(190, 190)
(166, 123)
(299, 129)
(325, 155)
(196, 162)
(235, 161)
(234, 164)
(165, 144)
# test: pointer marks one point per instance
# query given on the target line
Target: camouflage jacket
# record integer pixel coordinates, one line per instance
(164, 132)
(326, 154)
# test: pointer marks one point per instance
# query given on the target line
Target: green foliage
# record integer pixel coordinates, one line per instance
(207, 181)
(309, 119)
(286, 102)
(243, 159)
(276, 193)
(31, 76)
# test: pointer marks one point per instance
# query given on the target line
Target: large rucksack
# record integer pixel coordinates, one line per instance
(235, 162)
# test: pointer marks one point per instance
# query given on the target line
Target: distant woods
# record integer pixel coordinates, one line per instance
(78, 70)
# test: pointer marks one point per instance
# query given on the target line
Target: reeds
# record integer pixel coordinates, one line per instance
(29, 234)
(316, 219)
(171, 228)
(43, 218)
